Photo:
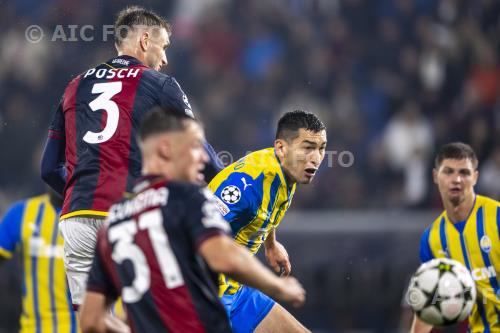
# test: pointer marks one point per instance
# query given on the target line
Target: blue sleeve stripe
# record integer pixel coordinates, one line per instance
(10, 228)
(425, 248)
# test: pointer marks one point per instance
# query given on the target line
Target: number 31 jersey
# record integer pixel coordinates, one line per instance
(98, 118)
(148, 253)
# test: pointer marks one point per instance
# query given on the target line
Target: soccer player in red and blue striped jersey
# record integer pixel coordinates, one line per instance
(91, 155)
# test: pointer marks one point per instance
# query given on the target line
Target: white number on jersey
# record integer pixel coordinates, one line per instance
(123, 234)
(103, 102)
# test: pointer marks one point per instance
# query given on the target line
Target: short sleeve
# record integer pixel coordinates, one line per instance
(203, 217)
(173, 97)
(56, 128)
(237, 196)
(425, 248)
(99, 280)
(10, 229)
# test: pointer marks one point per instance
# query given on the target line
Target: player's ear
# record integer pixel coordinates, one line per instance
(434, 176)
(280, 147)
(475, 176)
(144, 41)
(164, 149)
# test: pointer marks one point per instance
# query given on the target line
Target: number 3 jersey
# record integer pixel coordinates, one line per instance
(147, 253)
(98, 117)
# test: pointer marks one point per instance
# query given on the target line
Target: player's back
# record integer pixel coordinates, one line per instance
(98, 117)
(150, 247)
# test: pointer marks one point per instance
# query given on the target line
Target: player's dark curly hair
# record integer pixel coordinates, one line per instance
(136, 16)
(162, 120)
(290, 123)
(456, 151)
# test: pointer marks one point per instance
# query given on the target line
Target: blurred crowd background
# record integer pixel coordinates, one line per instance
(391, 79)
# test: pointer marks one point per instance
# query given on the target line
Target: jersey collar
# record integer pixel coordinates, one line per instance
(124, 61)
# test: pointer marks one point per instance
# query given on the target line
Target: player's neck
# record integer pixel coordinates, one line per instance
(130, 53)
(461, 211)
(155, 167)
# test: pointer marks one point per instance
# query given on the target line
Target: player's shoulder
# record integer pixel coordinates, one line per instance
(17, 208)
(161, 79)
(187, 192)
(487, 201)
(435, 223)
(259, 162)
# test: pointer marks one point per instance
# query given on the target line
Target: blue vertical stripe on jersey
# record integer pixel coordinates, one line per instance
(498, 221)
(442, 235)
(34, 268)
(484, 254)
(480, 307)
(275, 185)
(53, 242)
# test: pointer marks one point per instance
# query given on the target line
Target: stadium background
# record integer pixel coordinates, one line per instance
(392, 80)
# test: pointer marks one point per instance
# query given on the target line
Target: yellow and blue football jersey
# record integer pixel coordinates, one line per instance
(475, 243)
(32, 226)
(253, 196)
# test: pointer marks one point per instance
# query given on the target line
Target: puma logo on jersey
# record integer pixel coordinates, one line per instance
(245, 185)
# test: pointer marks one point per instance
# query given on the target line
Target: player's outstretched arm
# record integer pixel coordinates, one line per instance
(418, 326)
(95, 317)
(225, 256)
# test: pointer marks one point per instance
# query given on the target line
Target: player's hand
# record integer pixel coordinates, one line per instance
(277, 257)
(115, 325)
(292, 292)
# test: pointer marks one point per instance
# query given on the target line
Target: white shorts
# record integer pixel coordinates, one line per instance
(80, 237)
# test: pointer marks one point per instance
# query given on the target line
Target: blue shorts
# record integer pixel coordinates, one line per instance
(246, 309)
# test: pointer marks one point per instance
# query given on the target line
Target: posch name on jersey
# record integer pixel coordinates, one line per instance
(149, 198)
(111, 73)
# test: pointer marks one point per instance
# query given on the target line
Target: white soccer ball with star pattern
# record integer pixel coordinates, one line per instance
(442, 292)
(231, 194)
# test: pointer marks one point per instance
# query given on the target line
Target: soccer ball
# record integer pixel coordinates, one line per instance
(442, 292)
(231, 194)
